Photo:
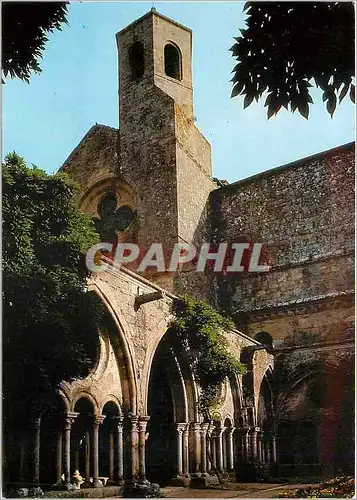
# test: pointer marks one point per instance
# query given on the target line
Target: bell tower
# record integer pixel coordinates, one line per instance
(162, 154)
(158, 51)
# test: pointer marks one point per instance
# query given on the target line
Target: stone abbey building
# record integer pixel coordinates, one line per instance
(136, 416)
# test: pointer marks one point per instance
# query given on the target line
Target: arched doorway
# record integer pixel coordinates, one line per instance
(81, 439)
(111, 444)
(266, 449)
(167, 407)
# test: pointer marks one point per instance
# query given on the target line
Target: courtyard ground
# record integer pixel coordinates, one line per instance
(231, 490)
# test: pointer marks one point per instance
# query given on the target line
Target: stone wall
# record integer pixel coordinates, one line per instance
(303, 215)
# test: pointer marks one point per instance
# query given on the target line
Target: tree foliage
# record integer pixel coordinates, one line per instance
(25, 26)
(199, 332)
(287, 46)
(50, 322)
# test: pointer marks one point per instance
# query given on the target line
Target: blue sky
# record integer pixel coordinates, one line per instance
(44, 120)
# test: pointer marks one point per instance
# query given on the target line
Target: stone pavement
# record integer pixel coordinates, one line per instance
(231, 490)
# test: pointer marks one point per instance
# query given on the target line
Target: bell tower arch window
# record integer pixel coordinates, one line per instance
(137, 60)
(173, 61)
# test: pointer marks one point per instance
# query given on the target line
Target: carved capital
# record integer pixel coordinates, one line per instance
(204, 428)
(195, 426)
(181, 427)
(118, 422)
(98, 420)
(143, 421)
(69, 419)
(134, 423)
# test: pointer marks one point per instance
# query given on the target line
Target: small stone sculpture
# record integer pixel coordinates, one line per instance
(77, 480)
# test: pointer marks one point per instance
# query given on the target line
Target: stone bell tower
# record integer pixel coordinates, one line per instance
(162, 154)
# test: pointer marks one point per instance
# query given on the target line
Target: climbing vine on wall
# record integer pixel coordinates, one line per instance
(198, 332)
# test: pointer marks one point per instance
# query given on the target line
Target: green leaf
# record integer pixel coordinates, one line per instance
(237, 89)
(344, 92)
(303, 109)
(331, 104)
(352, 93)
(248, 100)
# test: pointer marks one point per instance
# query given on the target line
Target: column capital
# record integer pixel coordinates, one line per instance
(134, 419)
(195, 426)
(98, 420)
(180, 427)
(134, 423)
(143, 421)
(218, 431)
(230, 430)
(144, 418)
(35, 421)
(118, 419)
(204, 427)
(69, 418)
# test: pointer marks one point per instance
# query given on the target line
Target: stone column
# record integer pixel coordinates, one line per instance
(224, 450)
(119, 449)
(273, 448)
(179, 445)
(98, 419)
(253, 441)
(246, 447)
(219, 448)
(260, 444)
(87, 456)
(185, 450)
(111, 454)
(204, 429)
(209, 448)
(142, 443)
(267, 450)
(34, 451)
(213, 449)
(59, 455)
(23, 465)
(134, 446)
(196, 431)
(229, 448)
(69, 419)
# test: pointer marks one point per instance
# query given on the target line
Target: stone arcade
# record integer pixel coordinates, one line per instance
(135, 417)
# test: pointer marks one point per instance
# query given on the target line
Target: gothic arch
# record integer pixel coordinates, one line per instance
(123, 352)
(265, 404)
(237, 395)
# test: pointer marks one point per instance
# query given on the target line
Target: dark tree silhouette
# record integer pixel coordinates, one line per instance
(50, 322)
(287, 46)
(25, 26)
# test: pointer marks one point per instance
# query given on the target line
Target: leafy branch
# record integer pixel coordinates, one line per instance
(198, 331)
(287, 47)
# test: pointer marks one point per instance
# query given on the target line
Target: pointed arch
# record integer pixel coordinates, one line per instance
(123, 353)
